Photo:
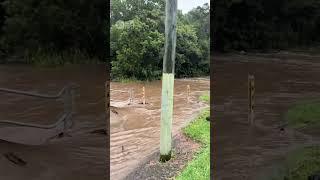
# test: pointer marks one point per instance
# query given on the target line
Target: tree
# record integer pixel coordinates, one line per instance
(263, 25)
(137, 38)
(55, 26)
(136, 49)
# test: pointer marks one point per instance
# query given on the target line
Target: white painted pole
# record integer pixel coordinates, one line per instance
(168, 80)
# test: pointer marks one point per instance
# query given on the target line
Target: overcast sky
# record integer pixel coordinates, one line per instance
(187, 5)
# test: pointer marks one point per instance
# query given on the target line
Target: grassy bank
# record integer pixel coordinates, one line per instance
(199, 130)
(300, 164)
(205, 97)
(304, 115)
(51, 58)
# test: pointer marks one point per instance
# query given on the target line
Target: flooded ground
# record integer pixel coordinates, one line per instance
(135, 128)
(81, 153)
(244, 152)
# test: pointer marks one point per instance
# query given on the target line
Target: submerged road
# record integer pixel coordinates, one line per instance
(242, 152)
(135, 128)
(80, 154)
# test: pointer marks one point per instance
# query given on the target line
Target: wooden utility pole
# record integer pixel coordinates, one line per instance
(168, 80)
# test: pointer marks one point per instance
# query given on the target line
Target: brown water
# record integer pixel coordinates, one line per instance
(135, 128)
(244, 152)
(80, 154)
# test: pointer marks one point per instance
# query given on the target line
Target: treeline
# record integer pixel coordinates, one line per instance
(53, 31)
(265, 24)
(137, 40)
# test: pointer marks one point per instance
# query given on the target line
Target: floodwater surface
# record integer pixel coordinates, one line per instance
(135, 128)
(246, 152)
(80, 154)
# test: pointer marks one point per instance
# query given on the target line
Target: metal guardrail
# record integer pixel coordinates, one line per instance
(64, 122)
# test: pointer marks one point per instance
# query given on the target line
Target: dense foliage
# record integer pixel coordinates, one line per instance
(261, 24)
(137, 40)
(32, 27)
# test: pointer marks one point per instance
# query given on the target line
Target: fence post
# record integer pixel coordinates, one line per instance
(69, 106)
(188, 93)
(168, 80)
(131, 96)
(251, 90)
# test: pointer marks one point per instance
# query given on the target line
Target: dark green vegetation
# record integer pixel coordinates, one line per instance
(263, 25)
(304, 115)
(300, 164)
(137, 40)
(304, 161)
(199, 130)
(53, 32)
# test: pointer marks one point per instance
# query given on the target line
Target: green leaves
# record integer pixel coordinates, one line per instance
(273, 24)
(137, 40)
(54, 25)
(136, 47)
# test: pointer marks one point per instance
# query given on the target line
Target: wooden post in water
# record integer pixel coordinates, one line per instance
(251, 90)
(143, 95)
(131, 96)
(188, 93)
(168, 80)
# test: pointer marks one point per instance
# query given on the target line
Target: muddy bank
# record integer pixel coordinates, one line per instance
(135, 128)
(242, 152)
(183, 151)
(79, 154)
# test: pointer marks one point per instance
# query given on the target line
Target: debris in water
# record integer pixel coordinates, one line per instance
(99, 131)
(142, 103)
(15, 159)
(114, 111)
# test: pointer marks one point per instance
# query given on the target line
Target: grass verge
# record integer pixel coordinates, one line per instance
(198, 130)
(304, 115)
(205, 97)
(47, 58)
(300, 164)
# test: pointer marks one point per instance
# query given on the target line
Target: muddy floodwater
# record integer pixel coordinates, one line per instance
(79, 154)
(135, 128)
(281, 80)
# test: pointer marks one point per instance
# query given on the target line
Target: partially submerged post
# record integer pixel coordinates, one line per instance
(188, 93)
(251, 99)
(143, 95)
(131, 96)
(168, 80)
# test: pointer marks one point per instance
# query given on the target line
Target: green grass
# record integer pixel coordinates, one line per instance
(300, 164)
(305, 161)
(304, 115)
(199, 167)
(205, 97)
(47, 58)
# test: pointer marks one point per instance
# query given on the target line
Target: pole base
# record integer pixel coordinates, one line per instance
(164, 158)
